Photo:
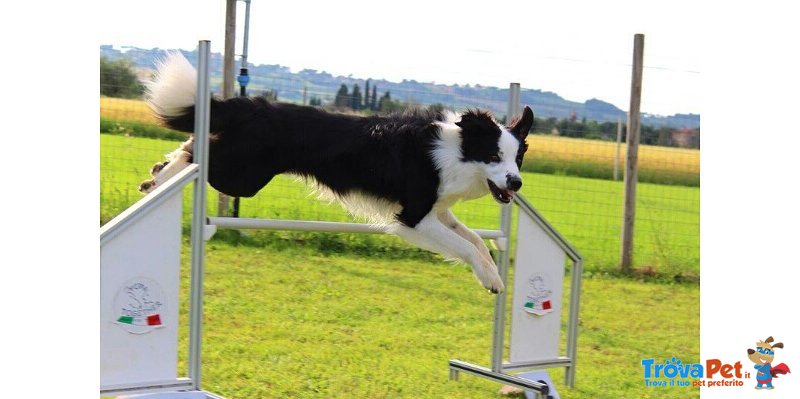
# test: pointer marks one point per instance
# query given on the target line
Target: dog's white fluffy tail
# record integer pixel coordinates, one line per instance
(174, 87)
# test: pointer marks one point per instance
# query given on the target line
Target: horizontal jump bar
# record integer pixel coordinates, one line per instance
(151, 201)
(484, 372)
(562, 361)
(304, 225)
(179, 384)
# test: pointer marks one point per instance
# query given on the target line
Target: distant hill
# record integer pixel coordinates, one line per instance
(291, 86)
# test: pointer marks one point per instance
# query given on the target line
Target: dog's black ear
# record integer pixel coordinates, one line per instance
(523, 124)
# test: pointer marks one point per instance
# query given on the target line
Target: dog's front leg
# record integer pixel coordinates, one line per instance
(449, 219)
(434, 236)
(176, 161)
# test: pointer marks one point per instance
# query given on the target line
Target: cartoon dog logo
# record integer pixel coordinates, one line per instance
(763, 356)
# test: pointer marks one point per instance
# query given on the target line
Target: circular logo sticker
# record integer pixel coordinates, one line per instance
(138, 306)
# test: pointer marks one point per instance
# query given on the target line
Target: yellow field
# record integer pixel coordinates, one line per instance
(126, 109)
(562, 150)
(567, 149)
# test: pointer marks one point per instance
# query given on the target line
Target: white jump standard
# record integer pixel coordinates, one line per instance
(139, 272)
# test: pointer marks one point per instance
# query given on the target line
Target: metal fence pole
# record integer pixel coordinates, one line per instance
(244, 78)
(200, 157)
(246, 38)
(631, 165)
(574, 320)
(513, 102)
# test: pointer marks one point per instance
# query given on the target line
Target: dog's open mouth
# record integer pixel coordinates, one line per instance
(500, 195)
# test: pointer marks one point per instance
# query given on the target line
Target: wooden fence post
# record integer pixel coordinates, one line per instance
(228, 79)
(631, 163)
(616, 151)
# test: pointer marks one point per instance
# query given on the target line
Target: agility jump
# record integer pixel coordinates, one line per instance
(139, 294)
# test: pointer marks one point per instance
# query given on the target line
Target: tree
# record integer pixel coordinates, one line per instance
(571, 127)
(665, 136)
(269, 95)
(366, 95)
(437, 107)
(374, 105)
(386, 104)
(117, 79)
(342, 99)
(356, 98)
(648, 134)
(315, 101)
(547, 125)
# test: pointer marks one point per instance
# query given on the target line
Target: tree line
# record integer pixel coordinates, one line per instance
(369, 101)
(567, 127)
(117, 79)
(652, 135)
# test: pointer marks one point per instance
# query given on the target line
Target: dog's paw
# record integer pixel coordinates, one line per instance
(147, 186)
(157, 168)
(489, 278)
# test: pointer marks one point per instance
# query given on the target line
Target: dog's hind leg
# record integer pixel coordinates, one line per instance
(241, 182)
(238, 172)
(434, 236)
(176, 161)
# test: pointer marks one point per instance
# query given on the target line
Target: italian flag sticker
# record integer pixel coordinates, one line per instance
(538, 299)
(151, 320)
(545, 305)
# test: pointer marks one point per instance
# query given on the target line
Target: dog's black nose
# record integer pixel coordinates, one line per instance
(513, 182)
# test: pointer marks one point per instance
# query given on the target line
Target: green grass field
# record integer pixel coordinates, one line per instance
(295, 324)
(305, 315)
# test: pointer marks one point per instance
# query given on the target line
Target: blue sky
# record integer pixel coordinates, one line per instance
(579, 50)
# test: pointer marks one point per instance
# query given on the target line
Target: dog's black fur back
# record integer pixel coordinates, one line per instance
(252, 140)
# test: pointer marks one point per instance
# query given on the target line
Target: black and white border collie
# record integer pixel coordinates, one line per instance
(401, 171)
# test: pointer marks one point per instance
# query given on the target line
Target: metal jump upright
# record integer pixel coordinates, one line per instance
(140, 266)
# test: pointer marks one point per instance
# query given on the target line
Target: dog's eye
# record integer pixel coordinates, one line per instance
(494, 158)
